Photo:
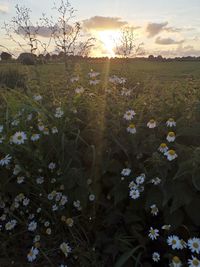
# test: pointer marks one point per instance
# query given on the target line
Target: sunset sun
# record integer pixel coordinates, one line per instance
(109, 39)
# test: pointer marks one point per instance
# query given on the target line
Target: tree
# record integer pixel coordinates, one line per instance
(127, 45)
(22, 27)
(6, 56)
(67, 34)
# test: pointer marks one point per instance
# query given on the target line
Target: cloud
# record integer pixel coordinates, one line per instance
(180, 51)
(167, 41)
(103, 23)
(42, 31)
(155, 28)
(172, 29)
(3, 9)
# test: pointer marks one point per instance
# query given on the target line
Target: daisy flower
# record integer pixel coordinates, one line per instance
(79, 90)
(65, 248)
(94, 82)
(166, 227)
(18, 138)
(134, 193)
(131, 128)
(176, 262)
(170, 122)
(194, 245)
(129, 115)
(171, 137)
(37, 97)
(32, 226)
(171, 154)
(32, 254)
(174, 242)
(35, 137)
(154, 210)
(10, 225)
(194, 262)
(156, 257)
(151, 124)
(153, 233)
(6, 160)
(126, 172)
(140, 179)
(163, 148)
(59, 112)
(93, 74)
(74, 79)
(156, 181)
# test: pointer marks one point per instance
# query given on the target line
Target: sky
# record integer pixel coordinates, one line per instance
(170, 28)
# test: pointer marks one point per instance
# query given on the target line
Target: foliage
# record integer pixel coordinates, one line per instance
(88, 170)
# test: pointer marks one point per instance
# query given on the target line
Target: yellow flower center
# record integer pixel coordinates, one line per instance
(174, 242)
(171, 134)
(132, 126)
(195, 262)
(19, 137)
(163, 145)
(172, 152)
(171, 120)
(176, 259)
(195, 245)
(152, 121)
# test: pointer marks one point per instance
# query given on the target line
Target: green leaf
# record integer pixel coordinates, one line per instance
(125, 257)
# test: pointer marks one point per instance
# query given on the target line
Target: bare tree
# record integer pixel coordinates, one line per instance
(127, 45)
(21, 26)
(67, 34)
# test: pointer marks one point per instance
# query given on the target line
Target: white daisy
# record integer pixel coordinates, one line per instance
(10, 225)
(131, 128)
(171, 122)
(74, 79)
(59, 112)
(151, 124)
(32, 254)
(153, 233)
(156, 257)
(94, 82)
(35, 137)
(54, 130)
(171, 137)
(6, 160)
(156, 181)
(18, 138)
(163, 148)
(174, 242)
(40, 180)
(93, 74)
(129, 115)
(37, 97)
(79, 90)
(171, 154)
(65, 248)
(154, 210)
(126, 172)
(166, 227)
(140, 179)
(194, 262)
(134, 194)
(194, 245)
(176, 262)
(32, 226)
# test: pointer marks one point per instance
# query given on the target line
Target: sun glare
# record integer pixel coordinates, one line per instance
(109, 39)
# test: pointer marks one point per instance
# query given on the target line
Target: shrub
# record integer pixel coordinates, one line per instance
(6, 56)
(27, 58)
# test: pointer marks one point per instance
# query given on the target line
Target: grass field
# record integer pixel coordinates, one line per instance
(102, 169)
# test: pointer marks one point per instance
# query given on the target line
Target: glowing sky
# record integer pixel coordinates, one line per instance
(170, 28)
